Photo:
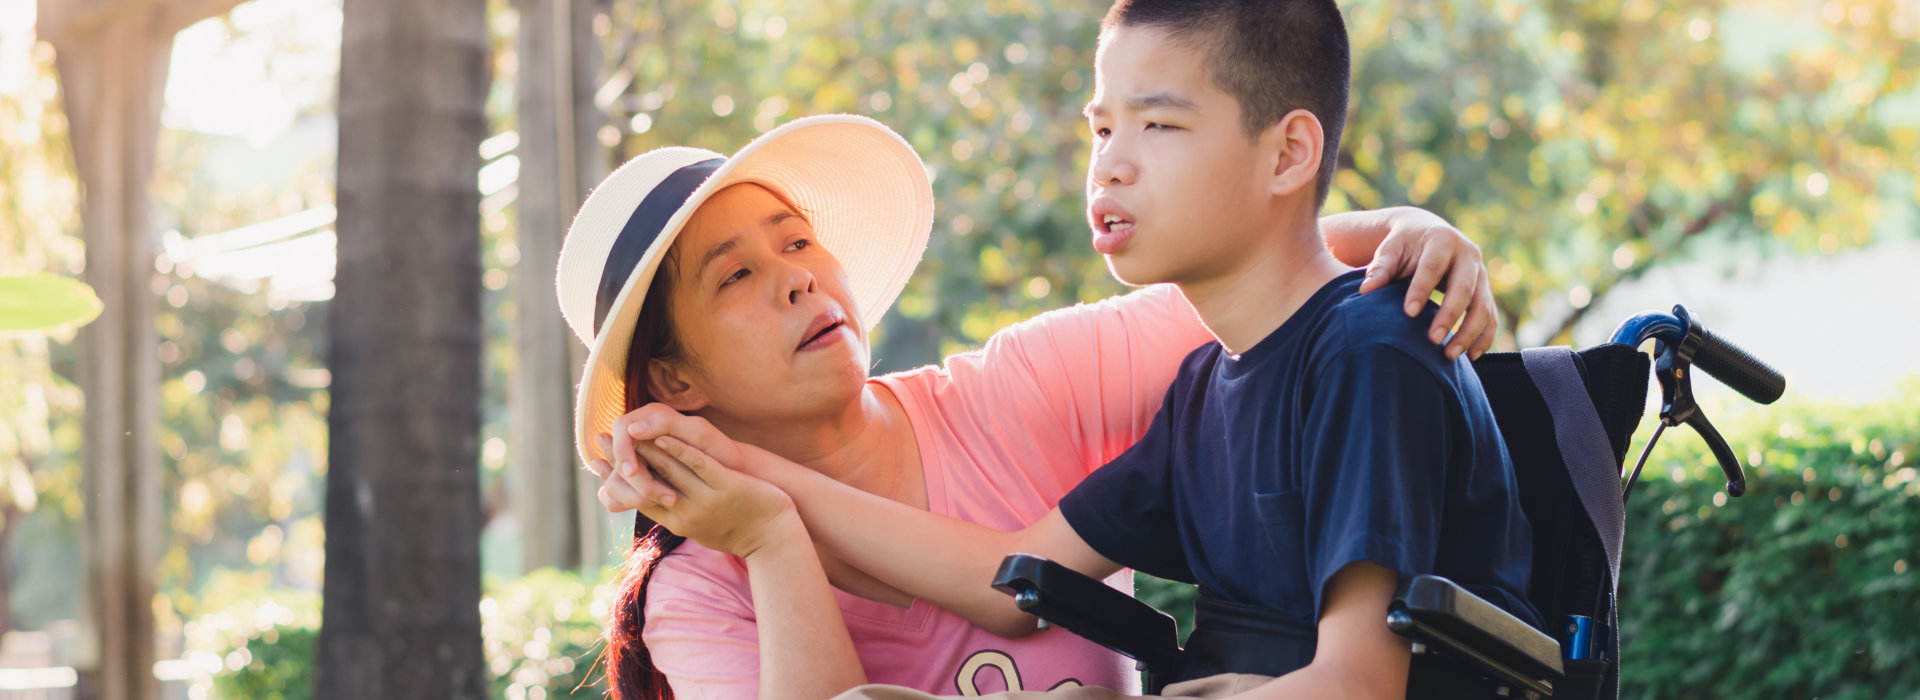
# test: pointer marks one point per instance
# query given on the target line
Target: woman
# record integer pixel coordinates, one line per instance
(742, 291)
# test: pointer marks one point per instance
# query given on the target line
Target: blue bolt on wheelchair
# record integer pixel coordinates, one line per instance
(1567, 418)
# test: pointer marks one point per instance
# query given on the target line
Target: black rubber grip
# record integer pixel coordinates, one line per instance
(1739, 369)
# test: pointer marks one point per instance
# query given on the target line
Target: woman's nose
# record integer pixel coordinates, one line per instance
(797, 281)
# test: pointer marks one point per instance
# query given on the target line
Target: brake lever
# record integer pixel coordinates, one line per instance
(1736, 478)
(1677, 406)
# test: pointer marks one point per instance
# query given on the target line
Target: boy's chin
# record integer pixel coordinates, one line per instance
(1130, 269)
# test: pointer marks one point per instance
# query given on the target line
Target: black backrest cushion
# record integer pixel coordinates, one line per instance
(1569, 564)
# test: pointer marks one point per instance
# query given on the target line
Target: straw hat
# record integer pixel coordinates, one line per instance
(864, 188)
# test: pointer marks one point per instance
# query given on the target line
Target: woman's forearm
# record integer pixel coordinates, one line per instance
(1353, 236)
(805, 651)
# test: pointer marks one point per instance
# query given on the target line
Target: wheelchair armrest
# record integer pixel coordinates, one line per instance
(1449, 618)
(1086, 607)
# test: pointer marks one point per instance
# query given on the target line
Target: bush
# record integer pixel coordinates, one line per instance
(1802, 588)
(541, 634)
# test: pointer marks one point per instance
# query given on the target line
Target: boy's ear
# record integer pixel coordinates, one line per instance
(1295, 142)
(667, 383)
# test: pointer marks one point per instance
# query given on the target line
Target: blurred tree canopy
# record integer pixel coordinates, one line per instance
(1580, 143)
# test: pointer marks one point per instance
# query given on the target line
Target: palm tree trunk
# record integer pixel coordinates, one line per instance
(402, 589)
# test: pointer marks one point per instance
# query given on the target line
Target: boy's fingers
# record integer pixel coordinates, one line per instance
(1426, 278)
(618, 496)
(673, 470)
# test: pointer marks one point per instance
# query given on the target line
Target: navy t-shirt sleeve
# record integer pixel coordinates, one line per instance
(1124, 510)
(1374, 464)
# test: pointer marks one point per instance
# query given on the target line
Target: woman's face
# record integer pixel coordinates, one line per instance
(763, 313)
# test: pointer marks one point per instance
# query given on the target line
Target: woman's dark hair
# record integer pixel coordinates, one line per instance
(631, 674)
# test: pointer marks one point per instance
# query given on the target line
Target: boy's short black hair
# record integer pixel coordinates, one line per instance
(1273, 56)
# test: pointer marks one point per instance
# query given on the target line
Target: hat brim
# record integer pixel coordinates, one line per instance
(871, 205)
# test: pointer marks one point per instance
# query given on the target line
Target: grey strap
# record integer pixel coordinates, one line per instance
(1596, 477)
(1583, 445)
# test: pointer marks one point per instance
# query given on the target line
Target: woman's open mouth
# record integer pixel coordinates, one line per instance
(824, 331)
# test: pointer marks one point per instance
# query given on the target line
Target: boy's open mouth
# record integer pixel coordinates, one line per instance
(1114, 224)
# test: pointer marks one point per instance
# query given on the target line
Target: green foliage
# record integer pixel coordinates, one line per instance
(1580, 143)
(541, 631)
(278, 666)
(1803, 588)
(34, 302)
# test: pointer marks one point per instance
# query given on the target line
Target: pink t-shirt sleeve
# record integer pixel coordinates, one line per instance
(700, 626)
(1102, 369)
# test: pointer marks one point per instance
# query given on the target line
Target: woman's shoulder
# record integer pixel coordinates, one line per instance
(695, 574)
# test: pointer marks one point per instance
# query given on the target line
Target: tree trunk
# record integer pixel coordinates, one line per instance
(402, 590)
(560, 157)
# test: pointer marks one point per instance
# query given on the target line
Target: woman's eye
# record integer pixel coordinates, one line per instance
(799, 245)
(737, 275)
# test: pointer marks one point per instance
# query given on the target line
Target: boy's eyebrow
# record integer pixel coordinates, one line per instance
(1138, 103)
(1162, 99)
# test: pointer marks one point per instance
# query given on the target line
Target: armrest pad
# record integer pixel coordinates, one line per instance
(1085, 606)
(1444, 615)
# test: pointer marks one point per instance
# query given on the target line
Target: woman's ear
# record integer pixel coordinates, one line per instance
(667, 383)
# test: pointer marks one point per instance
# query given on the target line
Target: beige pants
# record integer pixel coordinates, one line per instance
(1207, 688)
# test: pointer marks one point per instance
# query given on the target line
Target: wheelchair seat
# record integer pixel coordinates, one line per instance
(1463, 644)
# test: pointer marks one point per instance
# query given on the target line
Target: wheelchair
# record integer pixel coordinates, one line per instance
(1567, 418)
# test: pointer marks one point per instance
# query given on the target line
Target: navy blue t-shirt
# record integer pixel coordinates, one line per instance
(1345, 435)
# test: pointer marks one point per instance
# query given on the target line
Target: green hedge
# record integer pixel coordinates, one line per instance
(1803, 588)
(540, 632)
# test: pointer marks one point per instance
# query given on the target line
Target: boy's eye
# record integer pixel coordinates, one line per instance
(1102, 132)
(1163, 127)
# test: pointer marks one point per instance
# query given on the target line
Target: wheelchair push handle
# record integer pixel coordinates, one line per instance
(1681, 334)
(1738, 369)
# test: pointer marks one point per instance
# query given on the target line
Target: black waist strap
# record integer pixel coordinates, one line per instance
(1233, 637)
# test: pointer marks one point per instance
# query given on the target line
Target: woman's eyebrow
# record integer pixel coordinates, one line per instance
(717, 251)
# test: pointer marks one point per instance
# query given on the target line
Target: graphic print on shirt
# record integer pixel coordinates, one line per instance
(966, 682)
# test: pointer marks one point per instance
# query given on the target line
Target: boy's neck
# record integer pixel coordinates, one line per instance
(1266, 285)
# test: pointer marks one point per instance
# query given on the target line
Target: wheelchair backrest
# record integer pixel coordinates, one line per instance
(1569, 563)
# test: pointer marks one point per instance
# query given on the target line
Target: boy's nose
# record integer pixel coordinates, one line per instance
(1109, 168)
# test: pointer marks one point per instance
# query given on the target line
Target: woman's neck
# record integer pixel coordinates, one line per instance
(869, 446)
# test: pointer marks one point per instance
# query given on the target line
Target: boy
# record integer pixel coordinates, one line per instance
(1322, 448)
(1319, 451)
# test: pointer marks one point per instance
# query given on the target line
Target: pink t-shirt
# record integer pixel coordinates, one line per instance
(1003, 432)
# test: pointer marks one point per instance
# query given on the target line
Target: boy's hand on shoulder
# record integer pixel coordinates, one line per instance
(1423, 246)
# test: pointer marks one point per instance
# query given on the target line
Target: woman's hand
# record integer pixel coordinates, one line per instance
(1424, 246)
(697, 497)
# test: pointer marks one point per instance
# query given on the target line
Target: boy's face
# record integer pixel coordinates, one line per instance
(1174, 185)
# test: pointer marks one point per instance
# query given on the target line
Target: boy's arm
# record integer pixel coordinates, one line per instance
(1357, 657)
(948, 561)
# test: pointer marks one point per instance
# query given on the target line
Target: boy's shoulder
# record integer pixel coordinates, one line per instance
(1377, 322)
